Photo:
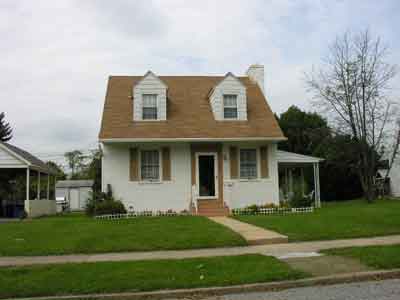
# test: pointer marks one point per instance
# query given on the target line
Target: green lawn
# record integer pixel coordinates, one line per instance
(76, 233)
(107, 277)
(337, 220)
(378, 257)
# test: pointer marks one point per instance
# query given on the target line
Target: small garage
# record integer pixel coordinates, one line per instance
(75, 192)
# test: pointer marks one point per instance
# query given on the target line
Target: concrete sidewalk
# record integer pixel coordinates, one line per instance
(254, 235)
(276, 250)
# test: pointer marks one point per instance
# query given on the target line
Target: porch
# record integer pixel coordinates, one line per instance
(298, 173)
(21, 181)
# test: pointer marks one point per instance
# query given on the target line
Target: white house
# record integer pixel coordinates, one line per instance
(205, 144)
(394, 178)
(75, 192)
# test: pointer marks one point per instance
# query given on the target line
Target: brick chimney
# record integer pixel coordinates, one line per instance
(256, 74)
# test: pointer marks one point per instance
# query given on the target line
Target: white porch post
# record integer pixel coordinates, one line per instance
(27, 191)
(315, 185)
(318, 187)
(38, 186)
(48, 186)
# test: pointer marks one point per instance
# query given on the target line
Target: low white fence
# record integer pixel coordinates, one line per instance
(272, 211)
(142, 214)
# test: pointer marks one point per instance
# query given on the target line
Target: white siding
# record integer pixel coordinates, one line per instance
(83, 193)
(395, 179)
(240, 193)
(174, 194)
(150, 84)
(230, 85)
(8, 160)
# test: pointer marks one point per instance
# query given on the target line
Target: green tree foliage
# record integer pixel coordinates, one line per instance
(75, 161)
(5, 129)
(305, 131)
(60, 174)
(308, 133)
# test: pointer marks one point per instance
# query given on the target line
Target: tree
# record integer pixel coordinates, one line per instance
(309, 133)
(75, 160)
(304, 130)
(5, 129)
(60, 174)
(353, 87)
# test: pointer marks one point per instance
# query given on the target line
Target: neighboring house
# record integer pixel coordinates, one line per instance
(75, 192)
(394, 178)
(198, 143)
(18, 162)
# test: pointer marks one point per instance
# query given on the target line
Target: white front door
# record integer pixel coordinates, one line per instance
(74, 199)
(207, 175)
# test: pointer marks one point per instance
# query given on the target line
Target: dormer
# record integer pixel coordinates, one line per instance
(228, 99)
(150, 99)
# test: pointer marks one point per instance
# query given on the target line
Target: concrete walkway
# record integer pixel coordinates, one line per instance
(276, 250)
(254, 235)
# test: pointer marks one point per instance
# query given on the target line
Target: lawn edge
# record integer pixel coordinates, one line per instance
(253, 287)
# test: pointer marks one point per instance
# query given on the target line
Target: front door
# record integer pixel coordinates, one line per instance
(207, 175)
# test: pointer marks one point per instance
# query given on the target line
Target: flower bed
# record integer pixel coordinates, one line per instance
(145, 213)
(271, 211)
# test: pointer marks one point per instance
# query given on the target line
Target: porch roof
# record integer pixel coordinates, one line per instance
(26, 159)
(291, 157)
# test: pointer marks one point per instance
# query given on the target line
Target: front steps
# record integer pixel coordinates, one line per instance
(211, 208)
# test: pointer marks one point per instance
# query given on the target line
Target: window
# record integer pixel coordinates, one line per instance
(149, 107)
(230, 107)
(248, 163)
(150, 165)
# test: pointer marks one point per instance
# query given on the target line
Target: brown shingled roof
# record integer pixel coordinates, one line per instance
(189, 112)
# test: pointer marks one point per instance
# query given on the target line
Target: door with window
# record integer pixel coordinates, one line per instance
(207, 177)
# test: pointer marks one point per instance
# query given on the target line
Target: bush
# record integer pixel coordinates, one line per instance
(253, 209)
(101, 203)
(110, 207)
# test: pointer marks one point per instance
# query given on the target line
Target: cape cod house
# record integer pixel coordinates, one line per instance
(201, 143)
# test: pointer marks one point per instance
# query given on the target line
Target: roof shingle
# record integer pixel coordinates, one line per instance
(189, 112)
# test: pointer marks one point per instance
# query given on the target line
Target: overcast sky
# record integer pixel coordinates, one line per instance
(56, 55)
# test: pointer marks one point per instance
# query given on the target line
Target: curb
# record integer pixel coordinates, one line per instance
(255, 287)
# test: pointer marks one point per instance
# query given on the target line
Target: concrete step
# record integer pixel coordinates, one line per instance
(213, 212)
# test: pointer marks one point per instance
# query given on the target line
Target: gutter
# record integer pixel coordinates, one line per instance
(133, 140)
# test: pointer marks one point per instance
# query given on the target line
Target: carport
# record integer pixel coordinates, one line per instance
(16, 161)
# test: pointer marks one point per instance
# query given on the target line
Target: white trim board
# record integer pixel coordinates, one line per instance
(152, 140)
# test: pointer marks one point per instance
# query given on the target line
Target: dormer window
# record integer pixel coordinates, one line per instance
(149, 107)
(230, 107)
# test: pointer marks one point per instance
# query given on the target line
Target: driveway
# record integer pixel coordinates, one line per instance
(370, 290)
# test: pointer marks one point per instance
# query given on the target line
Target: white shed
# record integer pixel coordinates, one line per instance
(76, 192)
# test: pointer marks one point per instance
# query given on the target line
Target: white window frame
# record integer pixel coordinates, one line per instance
(230, 106)
(143, 106)
(216, 188)
(257, 164)
(159, 165)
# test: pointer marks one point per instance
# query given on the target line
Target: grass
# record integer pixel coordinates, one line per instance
(76, 233)
(378, 257)
(107, 277)
(337, 220)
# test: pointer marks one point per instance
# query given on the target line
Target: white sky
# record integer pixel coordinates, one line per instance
(56, 55)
